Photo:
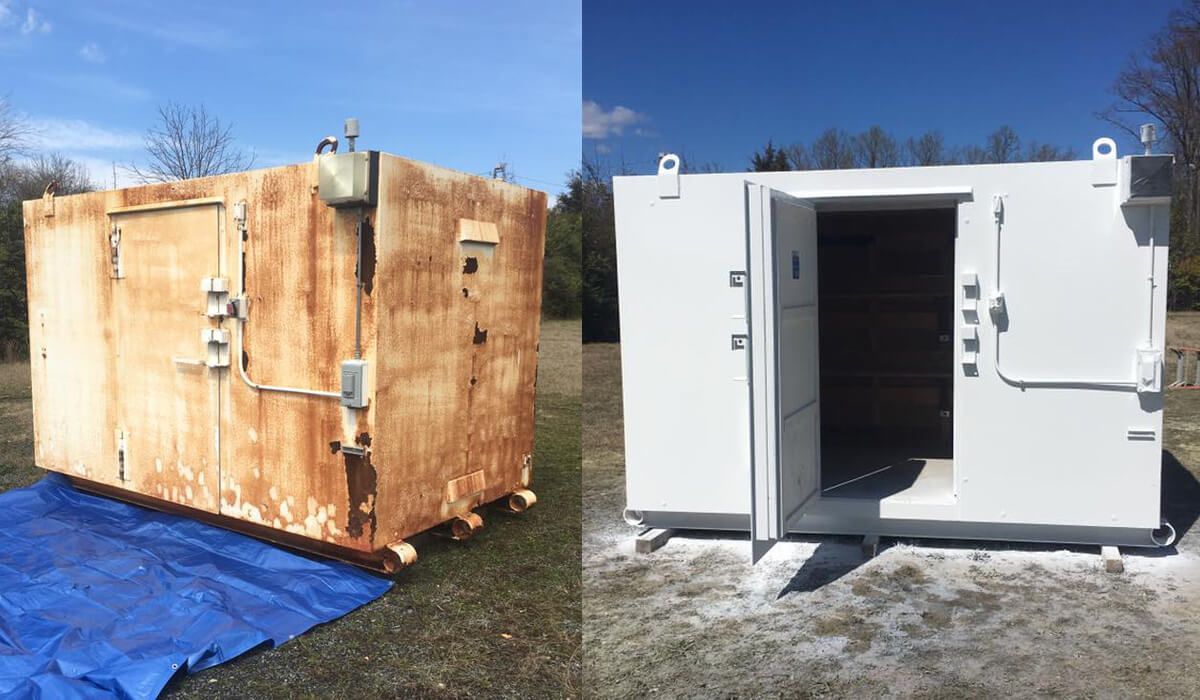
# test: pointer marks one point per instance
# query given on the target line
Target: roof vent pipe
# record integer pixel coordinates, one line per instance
(351, 132)
(1147, 133)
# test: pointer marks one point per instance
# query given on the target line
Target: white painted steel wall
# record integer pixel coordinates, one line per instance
(1074, 274)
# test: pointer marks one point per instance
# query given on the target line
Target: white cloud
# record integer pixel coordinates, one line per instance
(5, 11)
(92, 53)
(104, 86)
(35, 23)
(194, 33)
(79, 135)
(600, 124)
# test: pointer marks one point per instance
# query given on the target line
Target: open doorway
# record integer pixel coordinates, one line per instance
(886, 319)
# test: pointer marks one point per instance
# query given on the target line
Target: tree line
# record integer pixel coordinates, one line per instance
(1160, 83)
(835, 149)
(184, 142)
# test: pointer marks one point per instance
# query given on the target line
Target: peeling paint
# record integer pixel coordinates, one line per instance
(362, 484)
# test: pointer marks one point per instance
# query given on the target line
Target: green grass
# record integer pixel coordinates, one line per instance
(495, 616)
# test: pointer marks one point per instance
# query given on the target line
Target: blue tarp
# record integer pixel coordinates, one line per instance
(101, 598)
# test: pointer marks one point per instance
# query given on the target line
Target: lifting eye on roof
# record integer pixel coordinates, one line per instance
(330, 141)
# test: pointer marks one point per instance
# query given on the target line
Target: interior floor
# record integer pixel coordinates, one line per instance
(886, 327)
(895, 473)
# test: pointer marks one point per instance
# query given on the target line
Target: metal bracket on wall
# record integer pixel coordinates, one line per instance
(737, 341)
(737, 278)
(668, 176)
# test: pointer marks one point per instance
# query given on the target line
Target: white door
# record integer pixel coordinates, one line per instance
(781, 235)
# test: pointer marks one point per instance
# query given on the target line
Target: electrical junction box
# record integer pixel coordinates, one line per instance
(354, 383)
(1146, 180)
(348, 179)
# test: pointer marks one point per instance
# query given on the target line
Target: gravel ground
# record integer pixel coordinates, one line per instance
(924, 618)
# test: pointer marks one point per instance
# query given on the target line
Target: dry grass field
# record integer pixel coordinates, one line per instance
(936, 619)
(495, 616)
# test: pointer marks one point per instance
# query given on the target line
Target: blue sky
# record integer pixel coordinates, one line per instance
(460, 84)
(715, 80)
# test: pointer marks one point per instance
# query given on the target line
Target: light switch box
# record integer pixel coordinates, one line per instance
(354, 383)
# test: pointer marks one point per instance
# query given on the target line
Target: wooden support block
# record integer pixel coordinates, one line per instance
(1113, 563)
(650, 540)
(870, 546)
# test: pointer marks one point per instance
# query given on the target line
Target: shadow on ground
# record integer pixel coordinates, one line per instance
(1180, 495)
(835, 557)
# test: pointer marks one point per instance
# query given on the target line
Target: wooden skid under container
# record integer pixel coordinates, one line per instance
(134, 350)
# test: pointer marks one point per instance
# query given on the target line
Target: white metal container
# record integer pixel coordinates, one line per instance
(979, 347)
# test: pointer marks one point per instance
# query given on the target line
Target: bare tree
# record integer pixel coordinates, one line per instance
(972, 155)
(875, 148)
(14, 132)
(832, 150)
(1162, 83)
(929, 149)
(24, 180)
(188, 142)
(798, 157)
(1003, 146)
(1037, 152)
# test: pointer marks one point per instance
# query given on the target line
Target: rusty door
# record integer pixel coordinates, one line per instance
(166, 273)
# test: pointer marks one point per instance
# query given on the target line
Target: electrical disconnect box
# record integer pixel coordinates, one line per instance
(1147, 180)
(348, 179)
(354, 383)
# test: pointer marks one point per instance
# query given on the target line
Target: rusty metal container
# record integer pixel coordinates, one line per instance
(328, 363)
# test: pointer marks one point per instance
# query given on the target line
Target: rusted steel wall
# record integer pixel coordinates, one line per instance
(457, 335)
(449, 331)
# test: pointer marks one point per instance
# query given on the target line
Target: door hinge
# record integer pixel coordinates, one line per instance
(737, 341)
(216, 341)
(216, 292)
(114, 252)
(120, 435)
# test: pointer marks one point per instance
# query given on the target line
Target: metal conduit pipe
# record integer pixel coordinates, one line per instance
(239, 334)
(1054, 382)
